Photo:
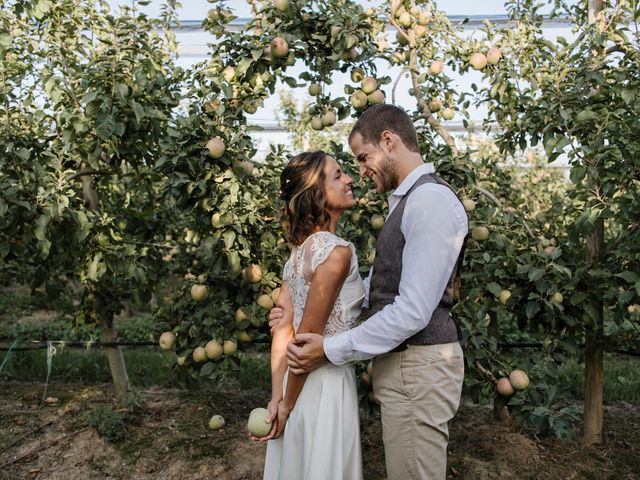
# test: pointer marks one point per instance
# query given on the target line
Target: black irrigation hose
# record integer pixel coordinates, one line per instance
(96, 344)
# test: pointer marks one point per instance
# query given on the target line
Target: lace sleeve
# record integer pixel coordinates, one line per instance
(321, 247)
(287, 270)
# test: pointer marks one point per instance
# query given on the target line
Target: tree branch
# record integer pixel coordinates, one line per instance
(495, 200)
(88, 172)
(395, 85)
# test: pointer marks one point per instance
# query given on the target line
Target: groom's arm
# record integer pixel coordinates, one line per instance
(434, 225)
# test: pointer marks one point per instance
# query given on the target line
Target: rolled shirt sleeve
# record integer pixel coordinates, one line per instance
(434, 225)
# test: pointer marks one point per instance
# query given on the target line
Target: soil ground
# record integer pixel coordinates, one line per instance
(167, 438)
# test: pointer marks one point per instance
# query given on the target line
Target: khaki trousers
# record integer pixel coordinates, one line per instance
(419, 392)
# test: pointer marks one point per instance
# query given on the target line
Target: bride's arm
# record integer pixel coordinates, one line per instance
(324, 290)
(282, 333)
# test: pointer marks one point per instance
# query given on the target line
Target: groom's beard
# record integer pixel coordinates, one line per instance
(387, 175)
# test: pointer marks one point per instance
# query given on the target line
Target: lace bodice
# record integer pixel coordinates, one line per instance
(299, 271)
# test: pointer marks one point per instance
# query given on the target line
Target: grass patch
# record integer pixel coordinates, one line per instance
(139, 328)
(107, 422)
(621, 378)
(146, 366)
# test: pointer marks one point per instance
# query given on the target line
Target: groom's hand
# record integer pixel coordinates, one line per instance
(305, 353)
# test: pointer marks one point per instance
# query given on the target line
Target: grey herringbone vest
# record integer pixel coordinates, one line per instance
(387, 270)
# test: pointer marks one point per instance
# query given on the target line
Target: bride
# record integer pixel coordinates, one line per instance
(315, 430)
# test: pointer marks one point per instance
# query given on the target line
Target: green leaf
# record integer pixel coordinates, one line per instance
(229, 237)
(577, 174)
(531, 309)
(138, 110)
(207, 369)
(628, 95)
(577, 298)
(629, 276)
(535, 274)
(106, 127)
(494, 288)
(96, 268)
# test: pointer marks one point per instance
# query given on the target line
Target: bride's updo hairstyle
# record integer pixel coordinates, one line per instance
(302, 189)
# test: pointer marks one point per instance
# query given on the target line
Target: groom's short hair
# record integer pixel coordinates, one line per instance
(378, 118)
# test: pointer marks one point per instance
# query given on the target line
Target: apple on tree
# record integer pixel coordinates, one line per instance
(213, 349)
(167, 340)
(216, 147)
(199, 355)
(199, 292)
(229, 347)
(478, 61)
(519, 380)
(436, 67)
(504, 387)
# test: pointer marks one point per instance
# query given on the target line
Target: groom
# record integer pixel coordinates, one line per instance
(418, 365)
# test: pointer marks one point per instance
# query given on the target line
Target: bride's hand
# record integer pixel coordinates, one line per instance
(283, 415)
(275, 316)
(272, 419)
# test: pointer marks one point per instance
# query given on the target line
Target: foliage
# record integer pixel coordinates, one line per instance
(159, 202)
(107, 422)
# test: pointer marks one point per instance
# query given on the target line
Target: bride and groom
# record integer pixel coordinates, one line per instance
(418, 364)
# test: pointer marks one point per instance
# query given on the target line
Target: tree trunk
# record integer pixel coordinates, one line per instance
(500, 410)
(594, 333)
(108, 333)
(594, 349)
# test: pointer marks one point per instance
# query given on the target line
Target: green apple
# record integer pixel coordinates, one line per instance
(504, 296)
(240, 315)
(377, 222)
(230, 347)
(328, 118)
(448, 113)
(316, 123)
(358, 99)
(435, 105)
(480, 234)
(436, 67)
(213, 349)
(199, 355)
(167, 341)
(199, 293)
(376, 97)
(257, 423)
(504, 387)
(357, 74)
(369, 85)
(216, 147)
(494, 55)
(519, 380)
(216, 422)
(265, 301)
(468, 204)
(315, 89)
(279, 47)
(478, 61)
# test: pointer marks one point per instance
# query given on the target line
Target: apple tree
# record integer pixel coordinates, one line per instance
(89, 95)
(578, 98)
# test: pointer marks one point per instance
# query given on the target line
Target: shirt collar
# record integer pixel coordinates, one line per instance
(412, 178)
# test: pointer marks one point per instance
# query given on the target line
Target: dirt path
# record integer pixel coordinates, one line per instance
(168, 439)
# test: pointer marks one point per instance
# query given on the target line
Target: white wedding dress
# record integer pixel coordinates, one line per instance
(321, 439)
